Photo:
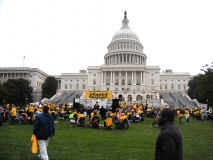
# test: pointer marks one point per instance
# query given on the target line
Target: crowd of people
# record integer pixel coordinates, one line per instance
(131, 112)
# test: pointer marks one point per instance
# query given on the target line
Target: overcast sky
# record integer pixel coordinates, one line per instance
(65, 36)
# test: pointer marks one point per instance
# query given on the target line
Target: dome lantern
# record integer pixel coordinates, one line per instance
(125, 21)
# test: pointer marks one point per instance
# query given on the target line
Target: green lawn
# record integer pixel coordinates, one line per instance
(76, 143)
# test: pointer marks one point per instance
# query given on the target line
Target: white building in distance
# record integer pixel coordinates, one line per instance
(125, 72)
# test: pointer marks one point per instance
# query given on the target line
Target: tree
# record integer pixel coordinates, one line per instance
(25, 91)
(201, 87)
(13, 92)
(3, 94)
(19, 91)
(49, 87)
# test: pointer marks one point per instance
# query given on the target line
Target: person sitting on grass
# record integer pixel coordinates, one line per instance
(80, 115)
(155, 120)
(108, 122)
(95, 120)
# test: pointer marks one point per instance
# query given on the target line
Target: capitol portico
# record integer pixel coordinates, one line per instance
(124, 71)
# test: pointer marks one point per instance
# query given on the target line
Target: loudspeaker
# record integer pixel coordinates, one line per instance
(115, 101)
(115, 104)
(75, 105)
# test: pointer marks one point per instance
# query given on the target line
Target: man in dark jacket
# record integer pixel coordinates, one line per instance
(103, 113)
(169, 142)
(44, 120)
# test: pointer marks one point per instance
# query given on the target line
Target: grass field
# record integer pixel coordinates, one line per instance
(78, 143)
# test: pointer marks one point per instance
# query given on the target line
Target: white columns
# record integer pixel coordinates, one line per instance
(111, 78)
(135, 77)
(141, 78)
(132, 78)
(102, 76)
(58, 85)
(126, 79)
(119, 77)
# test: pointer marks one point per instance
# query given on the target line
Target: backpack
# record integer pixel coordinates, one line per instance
(43, 132)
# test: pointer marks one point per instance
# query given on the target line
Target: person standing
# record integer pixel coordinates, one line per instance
(1, 118)
(13, 114)
(180, 116)
(187, 115)
(107, 108)
(44, 120)
(204, 115)
(169, 144)
(103, 113)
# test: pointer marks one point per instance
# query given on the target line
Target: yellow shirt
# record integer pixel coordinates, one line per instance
(179, 114)
(7, 106)
(113, 114)
(139, 112)
(186, 112)
(125, 106)
(13, 111)
(31, 109)
(57, 108)
(80, 115)
(122, 118)
(40, 110)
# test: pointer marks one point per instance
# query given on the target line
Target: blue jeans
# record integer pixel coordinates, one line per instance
(180, 120)
(12, 119)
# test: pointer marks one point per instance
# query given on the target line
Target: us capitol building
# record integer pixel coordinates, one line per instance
(124, 71)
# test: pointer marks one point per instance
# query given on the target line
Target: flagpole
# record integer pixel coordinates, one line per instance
(23, 60)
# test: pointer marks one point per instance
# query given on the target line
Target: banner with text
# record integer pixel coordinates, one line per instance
(98, 94)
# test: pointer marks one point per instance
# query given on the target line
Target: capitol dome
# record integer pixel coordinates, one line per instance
(125, 31)
(125, 47)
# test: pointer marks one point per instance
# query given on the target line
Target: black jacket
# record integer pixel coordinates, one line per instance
(169, 143)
